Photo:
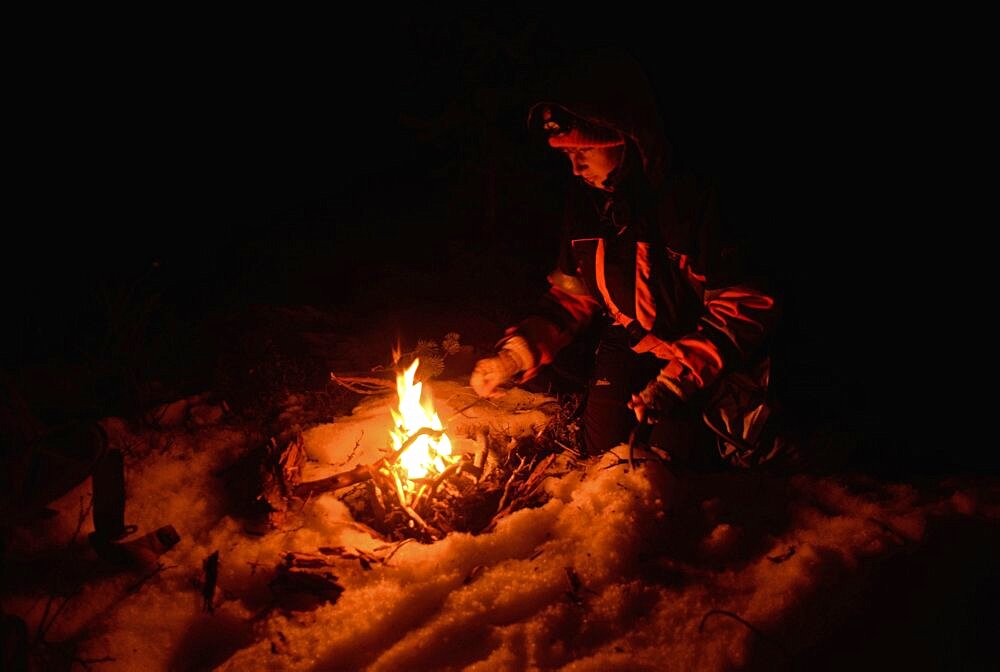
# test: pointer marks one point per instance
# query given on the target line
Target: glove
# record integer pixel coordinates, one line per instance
(653, 402)
(494, 371)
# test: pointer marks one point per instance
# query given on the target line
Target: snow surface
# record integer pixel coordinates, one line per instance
(619, 570)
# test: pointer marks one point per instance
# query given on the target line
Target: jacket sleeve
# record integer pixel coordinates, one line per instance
(735, 324)
(564, 310)
(735, 313)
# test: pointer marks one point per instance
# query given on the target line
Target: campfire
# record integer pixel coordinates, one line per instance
(402, 492)
(426, 455)
(421, 459)
(428, 483)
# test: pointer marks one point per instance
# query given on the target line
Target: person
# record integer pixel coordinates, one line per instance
(645, 261)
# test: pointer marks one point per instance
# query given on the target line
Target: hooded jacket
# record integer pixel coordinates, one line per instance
(650, 253)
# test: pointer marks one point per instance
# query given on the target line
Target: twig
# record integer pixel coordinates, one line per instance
(399, 545)
(620, 462)
(84, 512)
(483, 456)
(890, 530)
(87, 662)
(506, 488)
(537, 475)
(524, 491)
(160, 567)
(306, 501)
(359, 527)
(427, 491)
(465, 408)
(360, 473)
(45, 623)
(44, 626)
(572, 451)
(406, 507)
(363, 385)
(423, 431)
(750, 626)
(440, 478)
(354, 450)
(419, 496)
(365, 556)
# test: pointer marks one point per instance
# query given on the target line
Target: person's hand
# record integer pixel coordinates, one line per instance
(653, 402)
(493, 371)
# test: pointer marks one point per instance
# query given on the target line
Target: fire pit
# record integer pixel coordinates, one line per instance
(430, 481)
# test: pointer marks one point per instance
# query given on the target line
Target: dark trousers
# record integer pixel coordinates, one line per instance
(620, 372)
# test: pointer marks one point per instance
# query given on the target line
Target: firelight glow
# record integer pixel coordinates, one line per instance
(426, 455)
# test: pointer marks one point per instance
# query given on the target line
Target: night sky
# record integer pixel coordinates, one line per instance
(227, 166)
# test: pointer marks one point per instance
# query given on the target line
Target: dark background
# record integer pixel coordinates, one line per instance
(218, 166)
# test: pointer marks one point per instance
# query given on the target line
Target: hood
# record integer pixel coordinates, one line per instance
(610, 89)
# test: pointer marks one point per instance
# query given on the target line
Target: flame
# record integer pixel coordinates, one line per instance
(426, 455)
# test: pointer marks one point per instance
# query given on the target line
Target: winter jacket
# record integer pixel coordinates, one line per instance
(650, 254)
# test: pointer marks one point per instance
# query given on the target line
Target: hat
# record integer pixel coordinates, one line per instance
(567, 131)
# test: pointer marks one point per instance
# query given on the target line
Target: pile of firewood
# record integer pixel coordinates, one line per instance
(470, 495)
(469, 499)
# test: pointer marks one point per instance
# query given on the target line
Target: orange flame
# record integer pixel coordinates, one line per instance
(426, 455)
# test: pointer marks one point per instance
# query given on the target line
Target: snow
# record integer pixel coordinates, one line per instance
(619, 570)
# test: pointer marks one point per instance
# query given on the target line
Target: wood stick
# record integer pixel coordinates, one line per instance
(362, 472)
(423, 431)
(406, 507)
(364, 384)
(427, 492)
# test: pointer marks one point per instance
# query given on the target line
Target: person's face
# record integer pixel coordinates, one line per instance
(594, 164)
